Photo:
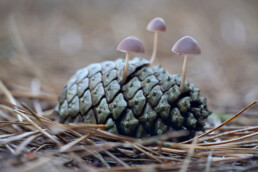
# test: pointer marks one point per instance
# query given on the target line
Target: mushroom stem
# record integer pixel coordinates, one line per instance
(126, 66)
(183, 73)
(155, 47)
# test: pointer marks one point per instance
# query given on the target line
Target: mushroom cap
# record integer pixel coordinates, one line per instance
(157, 25)
(186, 45)
(130, 44)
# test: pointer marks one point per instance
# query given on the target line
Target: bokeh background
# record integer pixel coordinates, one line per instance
(51, 39)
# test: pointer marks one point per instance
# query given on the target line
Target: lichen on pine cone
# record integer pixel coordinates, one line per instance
(148, 103)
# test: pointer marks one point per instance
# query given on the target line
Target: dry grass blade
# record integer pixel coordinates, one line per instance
(116, 158)
(244, 143)
(108, 135)
(169, 150)
(12, 137)
(7, 93)
(189, 155)
(22, 146)
(9, 97)
(147, 153)
(231, 140)
(12, 106)
(81, 126)
(5, 123)
(40, 95)
(228, 133)
(10, 149)
(150, 150)
(208, 164)
(69, 145)
(32, 112)
(38, 127)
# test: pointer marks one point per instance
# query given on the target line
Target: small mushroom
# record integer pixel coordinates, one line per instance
(127, 45)
(187, 45)
(156, 25)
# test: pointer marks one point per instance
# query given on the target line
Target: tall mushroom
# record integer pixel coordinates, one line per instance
(156, 25)
(127, 45)
(186, 45)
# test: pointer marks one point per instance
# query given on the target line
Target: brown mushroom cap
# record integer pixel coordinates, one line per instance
(130, 44)
(157, 25)
(186, 45)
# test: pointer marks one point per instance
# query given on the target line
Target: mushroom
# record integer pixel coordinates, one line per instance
(129, 44)
(186, 45)
(156, 25)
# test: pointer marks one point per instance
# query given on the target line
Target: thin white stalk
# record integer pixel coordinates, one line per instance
(183, 73)
(155, 48)
(126, 66)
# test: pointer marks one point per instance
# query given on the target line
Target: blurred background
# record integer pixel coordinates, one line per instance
(50, 39)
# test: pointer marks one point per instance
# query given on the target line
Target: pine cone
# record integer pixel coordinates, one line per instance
(148, 103)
